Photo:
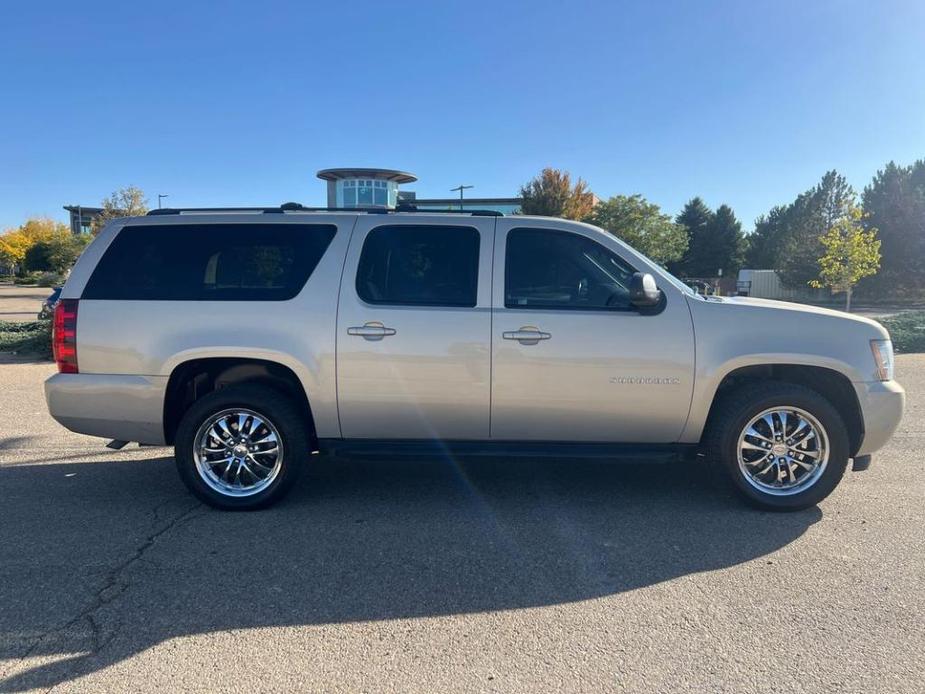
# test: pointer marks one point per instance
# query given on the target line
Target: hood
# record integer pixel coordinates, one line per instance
(805, 309)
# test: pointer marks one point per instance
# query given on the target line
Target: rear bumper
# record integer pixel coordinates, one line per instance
(130, 408)
(882, 404)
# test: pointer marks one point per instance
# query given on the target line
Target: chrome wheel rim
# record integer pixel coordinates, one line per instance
(783, 451)
(238, 452)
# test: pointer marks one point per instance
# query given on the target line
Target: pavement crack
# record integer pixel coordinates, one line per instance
(115, 584)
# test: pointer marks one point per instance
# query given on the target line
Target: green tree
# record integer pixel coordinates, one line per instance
(808, 218)
(894, 204)
(851, 253)
(725, 242)
(696, 218)
(55, 253)
(552, 194)
(766, 241)
(127, 202)
(643, 226)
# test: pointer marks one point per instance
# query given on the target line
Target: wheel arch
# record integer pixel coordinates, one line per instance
(192, 379)
(831, 384)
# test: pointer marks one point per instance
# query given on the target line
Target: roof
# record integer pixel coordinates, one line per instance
(359, 172)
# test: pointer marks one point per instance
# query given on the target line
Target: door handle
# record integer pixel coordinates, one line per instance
(527, 335)
(372, 331)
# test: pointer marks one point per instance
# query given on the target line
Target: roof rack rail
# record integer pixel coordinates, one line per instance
(296, 207)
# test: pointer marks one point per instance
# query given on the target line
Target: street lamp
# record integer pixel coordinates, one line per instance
(461, 188)
(161, 197)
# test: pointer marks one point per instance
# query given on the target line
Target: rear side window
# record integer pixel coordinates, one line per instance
(420, 265)
(209, 262)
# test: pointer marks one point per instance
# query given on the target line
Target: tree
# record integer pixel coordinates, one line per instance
(765, 242)
(851, 253)
(56, 253)
(127, 202)
(15, 243)
(894, 204)
(553, 195)
(642, 225)
(808, 218)
(696, 218)
(725, 242)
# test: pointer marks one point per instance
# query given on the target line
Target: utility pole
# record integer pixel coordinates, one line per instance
(461, 188)
(161, 197)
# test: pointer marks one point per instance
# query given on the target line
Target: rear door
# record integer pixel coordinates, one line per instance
(414, 328)
(572, 359)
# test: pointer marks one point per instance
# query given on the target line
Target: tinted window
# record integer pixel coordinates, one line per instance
(209, 262)
(559, 270)
(426, 265)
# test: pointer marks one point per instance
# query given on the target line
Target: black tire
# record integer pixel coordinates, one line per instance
(270, 404)
(735, 412)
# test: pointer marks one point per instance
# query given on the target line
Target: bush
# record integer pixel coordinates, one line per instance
(907, 331)
(32, 338)
(50, 279)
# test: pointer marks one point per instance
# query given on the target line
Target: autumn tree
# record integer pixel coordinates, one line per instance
(16, 243)
(127, 202)
(851, 253)
(552, 194)
(643, 226)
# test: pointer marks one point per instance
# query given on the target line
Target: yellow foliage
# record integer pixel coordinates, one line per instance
(15, 243)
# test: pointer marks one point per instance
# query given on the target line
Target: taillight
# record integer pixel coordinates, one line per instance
(64, 336)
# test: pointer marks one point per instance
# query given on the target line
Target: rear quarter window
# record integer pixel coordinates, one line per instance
(209, 262)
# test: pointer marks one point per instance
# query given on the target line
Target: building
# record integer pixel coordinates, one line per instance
(82, 217)
(351, 188)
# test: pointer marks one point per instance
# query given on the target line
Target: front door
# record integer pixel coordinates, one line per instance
(414, 329)
(572, 360)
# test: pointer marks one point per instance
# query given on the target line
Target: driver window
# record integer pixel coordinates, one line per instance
(550, 269)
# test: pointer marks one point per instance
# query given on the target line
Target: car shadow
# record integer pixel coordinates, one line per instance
(104, 560)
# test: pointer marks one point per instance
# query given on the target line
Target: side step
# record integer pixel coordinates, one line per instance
(116, 444)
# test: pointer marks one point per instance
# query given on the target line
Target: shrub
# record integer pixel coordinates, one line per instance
(32, 338)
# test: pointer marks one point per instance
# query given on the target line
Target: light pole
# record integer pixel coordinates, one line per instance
(461, 188)
(161, 197)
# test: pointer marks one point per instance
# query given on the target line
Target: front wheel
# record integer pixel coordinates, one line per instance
(784, 447)
(242, 447)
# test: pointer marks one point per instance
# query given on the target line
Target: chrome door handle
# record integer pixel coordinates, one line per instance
(527, 335)
(372, 331)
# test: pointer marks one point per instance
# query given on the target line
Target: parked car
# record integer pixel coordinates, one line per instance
(48, 306)
(251, 340)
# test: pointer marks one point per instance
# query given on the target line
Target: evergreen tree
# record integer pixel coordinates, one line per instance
(808, 218)
(765, 243)
(894, 204)
(696, 218)
(726, 242)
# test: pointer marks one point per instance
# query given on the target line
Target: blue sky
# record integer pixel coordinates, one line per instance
(239, 103)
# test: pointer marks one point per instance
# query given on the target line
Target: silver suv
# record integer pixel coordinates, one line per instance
(251, 340)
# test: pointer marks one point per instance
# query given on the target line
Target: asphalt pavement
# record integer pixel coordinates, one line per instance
(444, 575)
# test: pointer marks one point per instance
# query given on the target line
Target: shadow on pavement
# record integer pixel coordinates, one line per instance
(104, 560)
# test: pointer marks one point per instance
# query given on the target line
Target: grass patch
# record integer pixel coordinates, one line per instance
(907, 331)
(29, 339)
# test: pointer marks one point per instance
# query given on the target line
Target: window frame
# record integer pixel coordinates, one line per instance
(551, 307)
(424, 304)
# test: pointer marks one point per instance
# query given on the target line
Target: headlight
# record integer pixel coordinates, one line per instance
(883, 358)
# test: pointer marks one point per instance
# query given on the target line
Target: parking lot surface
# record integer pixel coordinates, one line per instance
(21, 303)
(447, 575)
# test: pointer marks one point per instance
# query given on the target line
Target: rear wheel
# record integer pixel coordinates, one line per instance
(241, 447)
(784, 447)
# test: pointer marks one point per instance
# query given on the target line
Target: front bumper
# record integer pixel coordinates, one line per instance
(882, 404)
(113, 406)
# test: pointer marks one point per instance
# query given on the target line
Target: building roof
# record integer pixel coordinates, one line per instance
(83, 209)
(377, 174)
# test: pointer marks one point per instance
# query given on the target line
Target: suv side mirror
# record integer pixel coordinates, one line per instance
(643, 291)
